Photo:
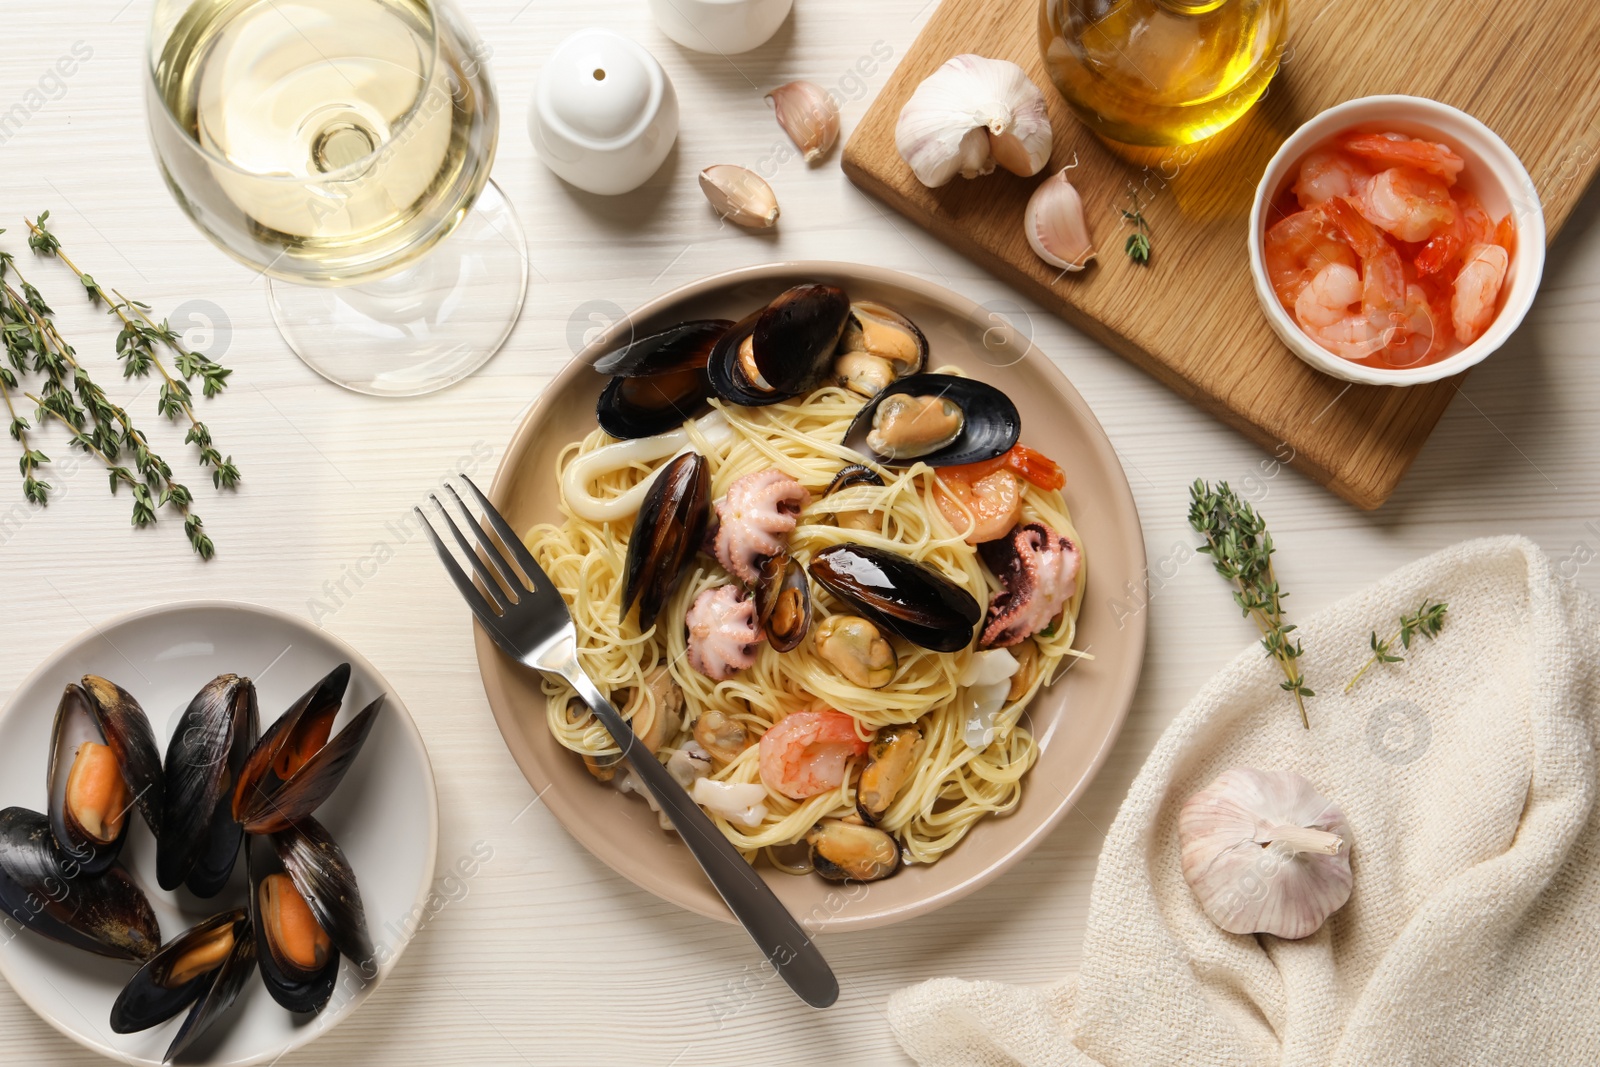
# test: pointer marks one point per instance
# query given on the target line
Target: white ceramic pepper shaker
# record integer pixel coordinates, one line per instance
(604, 113)
(720, 26)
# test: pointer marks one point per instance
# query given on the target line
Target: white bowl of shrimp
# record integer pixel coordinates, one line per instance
(1395, 240)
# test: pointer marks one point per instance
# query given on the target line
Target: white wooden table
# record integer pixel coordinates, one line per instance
(545, 956)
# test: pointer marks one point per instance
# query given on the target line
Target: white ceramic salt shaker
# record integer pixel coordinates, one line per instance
(723, 26)
(604, 113)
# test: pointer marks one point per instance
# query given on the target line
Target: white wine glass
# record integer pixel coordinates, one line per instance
(342, 148)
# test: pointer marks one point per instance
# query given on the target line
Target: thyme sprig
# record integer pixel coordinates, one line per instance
(1427, 621)
(71, 396)
(1241, 551)
(1138, 244)
(138, 345)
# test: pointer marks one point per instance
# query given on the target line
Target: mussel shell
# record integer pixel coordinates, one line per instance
(263, 802)
(669, 529)
(728, 380)
(199, 843)
(660, 380)
(296, 992)
(845, 852)
(104, 913)
(899, 594)
(783, 602)
(885, 313)
(150, 998)
(324, 877)
(127, 731)
(75, 723)
(990, 428)
(208, 996)
(852, 475)
(685, 345)
(795, 336)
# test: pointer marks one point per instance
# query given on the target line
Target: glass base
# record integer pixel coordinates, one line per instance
(421, 329)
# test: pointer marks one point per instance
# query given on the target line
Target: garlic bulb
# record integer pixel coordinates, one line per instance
(970, 114)
(1055, 226)
(809, 114)
(1265, 853)
(740, 196)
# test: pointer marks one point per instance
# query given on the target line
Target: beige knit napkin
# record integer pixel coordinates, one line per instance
(1468, 775)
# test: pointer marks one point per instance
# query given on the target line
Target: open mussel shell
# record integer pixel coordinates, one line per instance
(990, 422)
(202, 969)
(729, 379)
(104, 913)
(669, 529)
(899, 594)
(845, 852)
(297, 984)
(659, 380)
(783, 602)
(297, 764)
(851, 475)
(127, 731)
(327, 882)
(89, 798)
(791, 347)
(199, 843)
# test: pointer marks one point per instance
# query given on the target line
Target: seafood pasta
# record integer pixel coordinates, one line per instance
(826, 629)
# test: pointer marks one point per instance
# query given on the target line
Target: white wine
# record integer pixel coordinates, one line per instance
(323, 140)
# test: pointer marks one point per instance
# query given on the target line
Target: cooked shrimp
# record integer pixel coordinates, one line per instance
(1327, 173)
(1473, 304)
(986, 507)
(1398, 150)
(1300, 246)
(1329, 311)
(808, 752)
(1425, 333)
(1409, 203)
(1472, 226)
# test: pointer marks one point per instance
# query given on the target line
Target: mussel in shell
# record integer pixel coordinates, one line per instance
(297, 764)
(781, 350)
(104, 913)
(659, 380)
(199, 842)
(325, 880)
(893, 753)
(202, 969)
(878, 346)
(99, 762)
(845, 852)
(850, 476)
(783, 602)
(298, 961)
(669, 529)
(899, 594)
(975, 421)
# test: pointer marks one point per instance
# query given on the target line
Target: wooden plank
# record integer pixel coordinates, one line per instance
(1190, 318)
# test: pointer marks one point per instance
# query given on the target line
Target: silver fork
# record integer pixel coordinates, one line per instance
(530, 622)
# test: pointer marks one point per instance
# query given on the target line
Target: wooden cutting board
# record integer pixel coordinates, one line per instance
(1530, 71)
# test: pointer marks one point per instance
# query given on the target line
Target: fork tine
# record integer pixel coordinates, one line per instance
(512, 582)
(490, 549)
(469, 592)
(513, 543)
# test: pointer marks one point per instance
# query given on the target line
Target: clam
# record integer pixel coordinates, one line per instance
(326, 882)
(297, 960)
(845, 852)
(668, 530)
(100, 762)
(878, 346)
(658, 381)
(899, 594)
(783, 602)
(890, 757)
(199, 839)
(202, 969)
(856, 649)
(852, 475)
(781, 350)
(721, 735)
(105, 913)
(939, 419)
(297, 764)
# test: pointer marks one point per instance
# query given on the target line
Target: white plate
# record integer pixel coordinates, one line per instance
(384, 815)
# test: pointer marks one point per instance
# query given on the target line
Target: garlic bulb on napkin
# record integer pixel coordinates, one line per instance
(970, 114)
(1265, 853)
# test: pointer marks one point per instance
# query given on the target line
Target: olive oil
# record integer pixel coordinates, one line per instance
(1161, 72)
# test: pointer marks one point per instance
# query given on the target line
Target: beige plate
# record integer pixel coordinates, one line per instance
(1076, 721)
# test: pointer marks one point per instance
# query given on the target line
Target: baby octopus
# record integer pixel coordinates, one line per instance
(723, 632)
(755, 520)
(1039, 569)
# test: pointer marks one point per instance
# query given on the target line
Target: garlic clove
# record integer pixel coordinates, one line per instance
(740, 196)
(1055, 227)
(809, 114)
(970, 114)
(1265, 853)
